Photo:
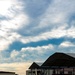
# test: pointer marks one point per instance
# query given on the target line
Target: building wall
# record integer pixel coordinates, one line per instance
(42, 72)
(33, 72)
(50, 71)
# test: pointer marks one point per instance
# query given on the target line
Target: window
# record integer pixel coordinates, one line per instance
(69, 72)
(61, 72)
(53, 71)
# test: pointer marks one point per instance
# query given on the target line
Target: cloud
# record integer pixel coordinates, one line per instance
(25, 54)
(58, 32)
(6, 39)
(14, 23)
(7, 10)
(36, 8)
(5, 6)
(18, 24)
(40, 49)
(58, 12)
(14, 53)
(31, 22)
(66, 44)
(71, 32)
(56, 15)
(28, 54)
(54, 23)
(14, 19)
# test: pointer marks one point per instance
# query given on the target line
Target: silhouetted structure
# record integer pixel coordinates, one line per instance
(7, 73)
(56, 64)
(34, 69)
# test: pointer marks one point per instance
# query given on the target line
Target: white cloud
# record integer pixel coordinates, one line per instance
(4, 44)
(4, 6)
(66, 44)
(58, 32)
(55, 33)
(55, 16)
(7, 38)
(10, 7)
(14, 23)
(56, 19)
(25, 54)
(15, 19)
(58, 12)
(39, 49)
(20, 55)
(71, 32)
(14, 53)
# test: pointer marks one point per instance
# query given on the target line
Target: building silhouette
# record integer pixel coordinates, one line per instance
(56, 64)
(7, 73)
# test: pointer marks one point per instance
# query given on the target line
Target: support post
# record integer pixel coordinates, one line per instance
(63, 70)
(57, 71)
(73, 70)
(31, 71)
(35, 71)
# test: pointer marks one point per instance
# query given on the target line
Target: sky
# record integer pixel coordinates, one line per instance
(32, 30)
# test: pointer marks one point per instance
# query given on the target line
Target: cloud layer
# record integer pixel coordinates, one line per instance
(22, 31)
(35, 29)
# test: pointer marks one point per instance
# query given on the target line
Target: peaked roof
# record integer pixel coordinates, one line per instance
(35, 65)
(60, 59)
